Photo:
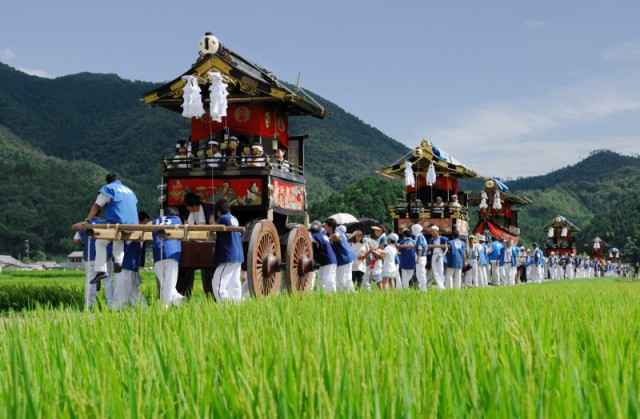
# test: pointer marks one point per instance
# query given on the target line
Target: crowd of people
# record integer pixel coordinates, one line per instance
(421, 257)
(347, 262)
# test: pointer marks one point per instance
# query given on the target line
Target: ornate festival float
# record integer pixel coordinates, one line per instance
(239, 117)
(498, 211)
(597, 250)
(561, 237)
(432, 195)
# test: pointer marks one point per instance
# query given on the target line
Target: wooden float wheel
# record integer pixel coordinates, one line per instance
(264, 263)
(298, 276)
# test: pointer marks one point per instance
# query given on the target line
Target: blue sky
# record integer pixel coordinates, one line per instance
(510, 88)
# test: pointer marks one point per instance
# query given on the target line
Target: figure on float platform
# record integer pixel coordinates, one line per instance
(120, 207)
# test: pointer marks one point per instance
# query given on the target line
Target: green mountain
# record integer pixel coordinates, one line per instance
(42, 196)
(579, 192)
(99, 118)
(618, 226)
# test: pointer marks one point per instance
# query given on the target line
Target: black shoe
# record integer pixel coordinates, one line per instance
(98, 277)
(117, 267)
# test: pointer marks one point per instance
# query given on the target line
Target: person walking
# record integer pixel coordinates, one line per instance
(323, 254)
(360, 249)
(344, 255)
(438, 247)
(507, 261)
(536, 264)
(407, 251)
(456, 260)
(227, 256)
(166, 257)
(483, 261)
(120, 207)
(494, 256)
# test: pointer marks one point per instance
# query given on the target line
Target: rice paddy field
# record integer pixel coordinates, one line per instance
(558, 349)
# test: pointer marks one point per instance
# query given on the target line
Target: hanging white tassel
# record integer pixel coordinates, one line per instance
(218, 94)
(431, 175)
(483, 202)
(192, 98)
(596, 245)
(564, 232)
(496, 201)
(409, 180)
(550, 232)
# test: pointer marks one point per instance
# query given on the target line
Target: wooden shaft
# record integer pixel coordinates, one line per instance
(183, 235)
(145, 227)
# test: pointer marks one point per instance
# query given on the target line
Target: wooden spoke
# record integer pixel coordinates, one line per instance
(263, 258)
(299, 261)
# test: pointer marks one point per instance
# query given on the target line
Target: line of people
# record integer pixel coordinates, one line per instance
(421, 257)
(117, 263)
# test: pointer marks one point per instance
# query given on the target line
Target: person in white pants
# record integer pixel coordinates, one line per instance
(166, 258)
(472, 278)
(507, 262)
(344, 255)
(421, 256)
(125, 290)
(88, 256)
(227, 256)
(482, 262)
(438, 247)
(120, 206)
(536, 264)
(456, 260)
(494, 258)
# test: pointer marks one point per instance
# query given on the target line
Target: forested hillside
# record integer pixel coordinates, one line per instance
(99, 118)
(618, 226)
(42, 196)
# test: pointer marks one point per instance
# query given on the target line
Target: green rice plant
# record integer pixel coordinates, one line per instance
(565, 348)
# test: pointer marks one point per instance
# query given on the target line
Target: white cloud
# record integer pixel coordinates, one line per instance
(6, 54)
(528, 137)
(625, 51)
(534, 23)
(36, 72)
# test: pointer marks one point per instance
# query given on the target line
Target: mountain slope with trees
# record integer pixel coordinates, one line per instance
(99, 118)
(43, 196)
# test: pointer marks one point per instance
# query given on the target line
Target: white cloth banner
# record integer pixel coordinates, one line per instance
(192, 98)
(550, 232)
(564, 232)
(218, 94)
(497, 205)
(409, 180)
(431, 175)
(483, 202)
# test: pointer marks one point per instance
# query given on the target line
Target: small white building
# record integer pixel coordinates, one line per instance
(74, 260)
(10, 263)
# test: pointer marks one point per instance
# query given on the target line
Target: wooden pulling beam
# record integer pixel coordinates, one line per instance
(145, 232)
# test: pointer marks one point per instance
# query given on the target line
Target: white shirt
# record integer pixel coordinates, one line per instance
(102, 199)
(360, 249)
(389, 263)
(197, 218)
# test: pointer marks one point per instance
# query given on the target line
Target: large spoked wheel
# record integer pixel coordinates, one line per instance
(264, 262)
(298, 276)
